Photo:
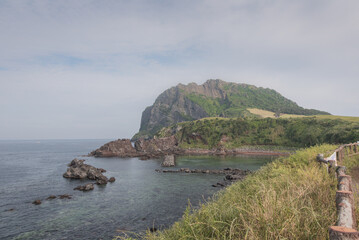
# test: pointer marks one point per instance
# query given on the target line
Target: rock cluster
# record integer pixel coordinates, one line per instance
(227, 171)
(143, 148)
(65, 196)
(232, 175)
(85, 188)
(79, 170)
(51, 197)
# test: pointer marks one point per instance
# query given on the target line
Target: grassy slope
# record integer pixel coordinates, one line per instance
(290, 198)
(345, 118)
(239, 97)
(293, 132)
(265, 114)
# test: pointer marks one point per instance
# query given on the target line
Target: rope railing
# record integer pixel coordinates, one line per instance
(345, 227)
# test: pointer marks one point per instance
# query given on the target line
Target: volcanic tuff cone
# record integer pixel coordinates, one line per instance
(214, 98)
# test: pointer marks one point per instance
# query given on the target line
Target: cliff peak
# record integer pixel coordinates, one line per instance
(213, 98)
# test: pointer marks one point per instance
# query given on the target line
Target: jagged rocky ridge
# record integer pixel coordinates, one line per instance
(211, 99)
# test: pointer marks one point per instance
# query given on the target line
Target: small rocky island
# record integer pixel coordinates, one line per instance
(79, 170)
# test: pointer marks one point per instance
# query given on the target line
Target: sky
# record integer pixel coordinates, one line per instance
(87, 69)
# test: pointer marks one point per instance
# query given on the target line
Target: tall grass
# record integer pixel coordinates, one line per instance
(290, 198)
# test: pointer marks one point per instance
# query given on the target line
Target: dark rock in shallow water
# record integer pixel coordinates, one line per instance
(153, 229)
(101, 180)
(234, 177)
(87, 187)
(37, 202)
(51, 197)
(112, 179)
(67, 196)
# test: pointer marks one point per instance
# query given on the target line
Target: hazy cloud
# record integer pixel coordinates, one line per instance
(87, 69)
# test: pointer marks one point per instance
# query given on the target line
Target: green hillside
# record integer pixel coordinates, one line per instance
(238, 97)
(214, 98)
(211, 133)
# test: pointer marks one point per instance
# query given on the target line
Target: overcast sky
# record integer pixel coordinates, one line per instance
(87, 69)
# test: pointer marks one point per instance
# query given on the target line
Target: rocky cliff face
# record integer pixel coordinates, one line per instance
(211, 99)
(171, 106)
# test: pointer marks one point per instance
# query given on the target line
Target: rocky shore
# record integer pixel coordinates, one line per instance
(152, 148)
(231, 175)
(161, 147)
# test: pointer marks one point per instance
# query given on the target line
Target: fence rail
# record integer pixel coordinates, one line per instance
(345, 227)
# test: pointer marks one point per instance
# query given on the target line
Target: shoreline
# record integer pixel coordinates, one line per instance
(160, 147)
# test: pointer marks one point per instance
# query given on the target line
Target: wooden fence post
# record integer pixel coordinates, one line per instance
(346, 219)
(342, 233)
(344, 183)
(344, 201)
(341, 170)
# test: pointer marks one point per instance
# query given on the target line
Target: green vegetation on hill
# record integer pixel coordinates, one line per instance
(214, 98)
(264, 114)
(236, 132)
(238, 97)
(290, 198)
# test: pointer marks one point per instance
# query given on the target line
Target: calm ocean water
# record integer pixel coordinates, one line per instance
(139, 199)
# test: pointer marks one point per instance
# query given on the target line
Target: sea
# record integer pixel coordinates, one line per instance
(139, 199)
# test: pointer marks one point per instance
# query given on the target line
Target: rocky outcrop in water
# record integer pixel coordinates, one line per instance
(227, 171)
(151, 148)
(37, 202)
(79, 170)
(168, 161)
(85, 188)
(65, 196)
(232, 175)
(118, 148)
(51, 197)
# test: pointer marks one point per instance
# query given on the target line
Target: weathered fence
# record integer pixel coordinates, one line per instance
(345, 227)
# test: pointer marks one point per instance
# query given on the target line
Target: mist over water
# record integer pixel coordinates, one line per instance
(139, 199)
